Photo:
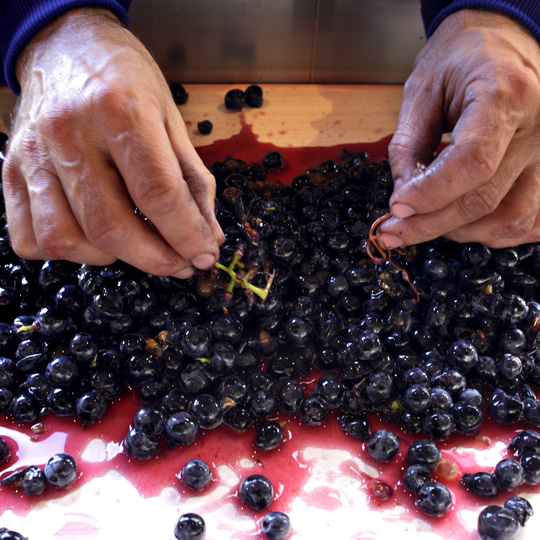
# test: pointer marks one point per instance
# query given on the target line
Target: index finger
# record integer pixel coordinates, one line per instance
(154, 180)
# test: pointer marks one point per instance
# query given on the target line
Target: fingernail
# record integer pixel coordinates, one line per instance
(390, 241)
(185, 273)
(402, 211)
(204, 261)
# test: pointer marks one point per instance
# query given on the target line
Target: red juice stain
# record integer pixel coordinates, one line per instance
(245, 146)
(285, 467)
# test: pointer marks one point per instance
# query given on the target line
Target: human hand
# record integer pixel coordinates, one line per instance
(96, 132)
(478, 76)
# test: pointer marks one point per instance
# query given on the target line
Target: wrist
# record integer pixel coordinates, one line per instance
(493, 21)
(76, 26)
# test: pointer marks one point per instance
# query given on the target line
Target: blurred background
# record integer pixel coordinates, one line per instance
(302, 41)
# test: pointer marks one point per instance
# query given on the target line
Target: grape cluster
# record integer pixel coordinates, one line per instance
(295, 292)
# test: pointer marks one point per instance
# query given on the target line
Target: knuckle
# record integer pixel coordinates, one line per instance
(156, 194)
(118, 105)
(397, 144)
(23, 248)
(209, 181)
(104, 233)
(517, 226)
(57, 124)
(9, 168)
(496, 90)
(416, 81)
(407, 148)
(202, 187)
(403, 141)
(23, 147)
(54, 243)
(479, 203)
(109, 98)
(479, 162)
(513, 84)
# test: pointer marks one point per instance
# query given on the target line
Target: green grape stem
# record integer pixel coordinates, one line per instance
(242, 279)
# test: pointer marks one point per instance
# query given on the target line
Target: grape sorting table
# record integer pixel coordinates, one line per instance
(291, 116)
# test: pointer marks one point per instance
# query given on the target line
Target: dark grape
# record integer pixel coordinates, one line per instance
(424, 452)
(141, 444)
(235, 99)
(190, 527)
(254, 96)
(256, 491)
(434, 499)
(276, 525)
(205, 127)
(521, 507)
(196, 474)
(61, 470)
(509, 474)
(269, 435)
(497, 523)
(416, 476)
(482, 483)
(178, 92)
(382, 445)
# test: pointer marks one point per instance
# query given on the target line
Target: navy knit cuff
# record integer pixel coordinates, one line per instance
(525, 12)
(21, 20)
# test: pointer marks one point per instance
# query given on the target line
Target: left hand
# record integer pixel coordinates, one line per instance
(478, 76)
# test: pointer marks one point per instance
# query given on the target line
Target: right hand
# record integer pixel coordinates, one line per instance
(97, 132)
(478, 76)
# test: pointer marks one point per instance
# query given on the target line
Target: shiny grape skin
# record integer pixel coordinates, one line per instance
(196, 474)
(256, 491)
(416, 476)
(382, 445)
(497, 523)
(276, 525)
(434, 499)
(424, 452)
(521, 507)
(190, 526)
(61, 470)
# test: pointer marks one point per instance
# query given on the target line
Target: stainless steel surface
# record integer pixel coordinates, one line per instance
(228, 40)
(349, 41)
(372, 41)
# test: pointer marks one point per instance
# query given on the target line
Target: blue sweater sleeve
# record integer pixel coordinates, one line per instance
(20, 20)
(526, 12)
